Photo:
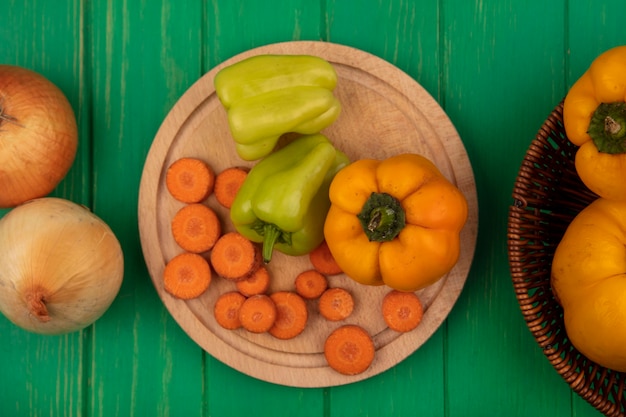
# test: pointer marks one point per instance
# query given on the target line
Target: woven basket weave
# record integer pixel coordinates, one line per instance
(546, 197)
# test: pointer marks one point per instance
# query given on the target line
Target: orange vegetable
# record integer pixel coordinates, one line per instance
(187, 276)
(402, 311)
(257, 313)
(310, 284)
(189, 180)
(234, 257)
(323, 260)
(196, 228)
(594, 119)
(396, 222)
(291, 315)
(257, 283)
(226, 309)
(227, 184)
(336, 304)
(349, 350)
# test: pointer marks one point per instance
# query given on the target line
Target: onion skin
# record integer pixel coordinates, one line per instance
(61, 266)
(38, 135)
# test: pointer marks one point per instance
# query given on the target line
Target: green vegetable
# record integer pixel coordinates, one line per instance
(267, 96)
(284, 200)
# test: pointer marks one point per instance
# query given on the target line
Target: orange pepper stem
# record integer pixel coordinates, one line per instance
(382, 217)
(607, 127)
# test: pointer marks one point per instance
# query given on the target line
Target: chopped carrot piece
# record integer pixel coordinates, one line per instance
(234, 257)
(349, 350)
(322, 260)
(257, 313)
(310, 284)
(226, 309)
(196, 228)
(402, 311)
(257, 283)
(189, 180)
(227, 184)
(336, 304)
(291, 315)
(187, 276)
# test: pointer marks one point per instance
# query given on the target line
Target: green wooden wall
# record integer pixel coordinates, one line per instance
(498, 67)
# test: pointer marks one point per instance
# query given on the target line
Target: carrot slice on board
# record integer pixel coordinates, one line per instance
(196, 228)
(187, 276)
(258, 313)
(234, 257)
(349, 350)
(310, 284)
(257, 283)
(189, 180)
(227, 184)
(322, 260)
(291, 315)
(336, 304)
(402, 311)
(226, 309)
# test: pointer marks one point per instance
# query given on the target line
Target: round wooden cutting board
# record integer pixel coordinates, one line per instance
(384, 113)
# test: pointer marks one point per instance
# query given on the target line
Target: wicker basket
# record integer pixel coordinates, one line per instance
(546, 196)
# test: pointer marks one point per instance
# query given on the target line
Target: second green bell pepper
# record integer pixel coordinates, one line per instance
(267, 96)
(258, 122)
(284, 200)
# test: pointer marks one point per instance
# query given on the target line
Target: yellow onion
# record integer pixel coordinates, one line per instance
(38, 135)
(61, 266)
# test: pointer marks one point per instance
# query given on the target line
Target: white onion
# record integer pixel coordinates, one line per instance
(61, 266)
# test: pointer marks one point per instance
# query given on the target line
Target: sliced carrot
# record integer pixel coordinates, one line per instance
(196, 228)
(234, 257)
(310, 284)
(336, 304)
(257, 283)
(402, 311)
(349, 350)
(227, 184)
(190, 180)
(291, 315)
(322, 260)
(226, 309)
(187, 276)
(257, 313)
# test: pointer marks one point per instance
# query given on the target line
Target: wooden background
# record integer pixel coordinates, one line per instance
(497, 67)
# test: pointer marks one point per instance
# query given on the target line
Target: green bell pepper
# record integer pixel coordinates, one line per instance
(267, 96)
(263, 73)
(284, 200)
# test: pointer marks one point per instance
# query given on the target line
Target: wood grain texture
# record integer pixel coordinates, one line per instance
(37, 373)
(406, 34)
(222, 40)
(389, 113)
(143, 57)
(502, 48)
(496, 67)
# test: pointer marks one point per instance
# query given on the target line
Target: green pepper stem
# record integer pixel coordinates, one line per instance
(382, 217)
(607, 127)
(271, 234)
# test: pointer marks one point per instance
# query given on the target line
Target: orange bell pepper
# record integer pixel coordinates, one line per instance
(395, 222)
(594, 118)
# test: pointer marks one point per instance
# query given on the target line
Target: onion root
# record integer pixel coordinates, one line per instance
(36, 301)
